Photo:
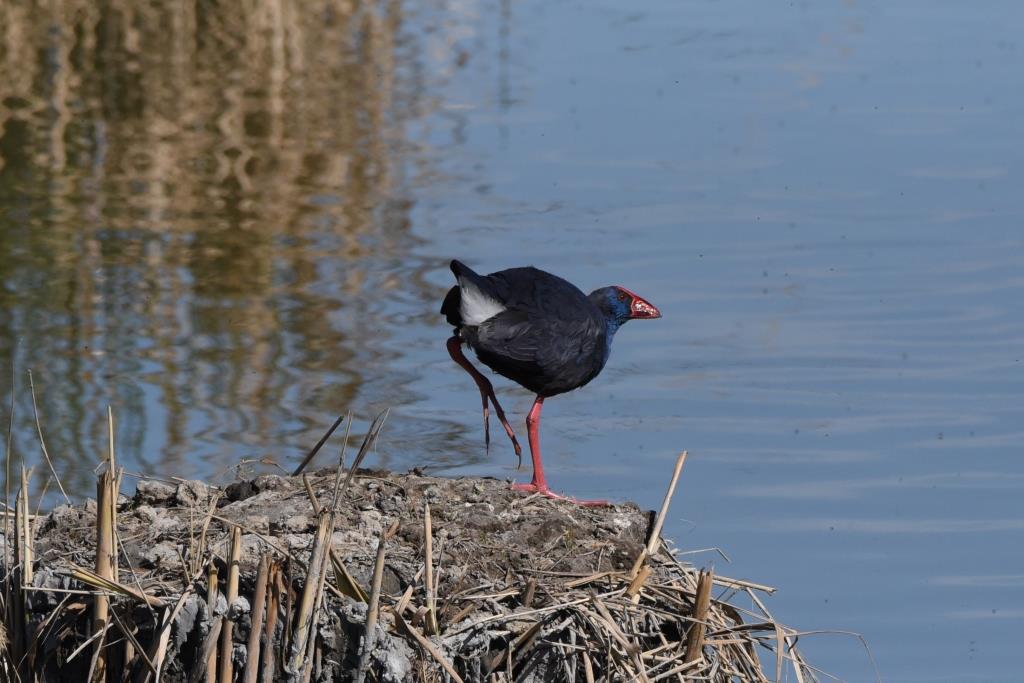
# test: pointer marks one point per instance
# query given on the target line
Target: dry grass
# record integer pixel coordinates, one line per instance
(475, 592)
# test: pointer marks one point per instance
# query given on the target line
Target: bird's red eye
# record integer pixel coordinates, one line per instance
(623, 296)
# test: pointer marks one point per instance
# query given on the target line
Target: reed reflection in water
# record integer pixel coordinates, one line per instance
(200, 209)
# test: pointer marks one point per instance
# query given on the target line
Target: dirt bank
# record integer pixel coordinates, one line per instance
(522, 588)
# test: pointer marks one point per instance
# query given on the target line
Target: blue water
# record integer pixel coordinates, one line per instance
(822, 199)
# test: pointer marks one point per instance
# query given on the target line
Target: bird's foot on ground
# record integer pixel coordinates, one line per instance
(545, 491)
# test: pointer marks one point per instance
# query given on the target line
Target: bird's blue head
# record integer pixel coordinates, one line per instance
(618, 305)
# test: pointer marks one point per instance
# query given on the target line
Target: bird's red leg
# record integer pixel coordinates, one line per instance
(539, 484)
(486, 391)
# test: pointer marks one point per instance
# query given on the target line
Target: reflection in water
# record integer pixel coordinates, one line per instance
(198, 203)
(231, 223)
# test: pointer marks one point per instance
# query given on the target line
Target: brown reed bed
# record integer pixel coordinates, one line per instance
(362, 575)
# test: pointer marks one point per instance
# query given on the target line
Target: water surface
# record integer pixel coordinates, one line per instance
(233, 226)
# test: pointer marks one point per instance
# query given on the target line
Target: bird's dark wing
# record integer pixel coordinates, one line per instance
(530, 326)
(535, 290)
(548, 355)
(478, 297)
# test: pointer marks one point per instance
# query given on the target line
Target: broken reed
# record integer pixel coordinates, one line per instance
(656, 621)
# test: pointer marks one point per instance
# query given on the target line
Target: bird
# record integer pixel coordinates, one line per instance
(539, 331)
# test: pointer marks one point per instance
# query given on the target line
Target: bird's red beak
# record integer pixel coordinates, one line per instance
(643, 309)
(640, 307)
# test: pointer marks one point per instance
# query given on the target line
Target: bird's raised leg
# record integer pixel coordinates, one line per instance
(539, 484)
(486, 391)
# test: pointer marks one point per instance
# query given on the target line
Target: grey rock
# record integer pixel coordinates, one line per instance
(153, 492)
(298, 524)
(192, 493)
(192, 610)
(270, 482)
(163, 554)
(260, 523)
(238, 608)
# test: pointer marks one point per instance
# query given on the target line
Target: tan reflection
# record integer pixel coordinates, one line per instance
(206, 185)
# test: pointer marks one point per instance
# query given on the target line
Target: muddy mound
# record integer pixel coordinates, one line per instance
(405, 578)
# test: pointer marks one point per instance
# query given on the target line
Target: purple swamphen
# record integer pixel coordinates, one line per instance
(539, 331)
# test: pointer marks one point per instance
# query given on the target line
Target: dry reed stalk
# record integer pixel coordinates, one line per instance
(637, 584)
(276, 585)
(313, 656)
(515, 649)
(371, 438)
(431, 649)
(744, 584)
(588, 668)
(25, 528)
(42, 442)
(463, 613)
(158, 649)
(796, 658)
(131, 647)
(200, 551)
(527, 613)
(106, 510)
(252, 661)
(112, 586)
(430, 626)
(23, 553)
(695, 636)
(779, 640)
(211, 603)
(288, 592)
(306, 618)
(226, 671)
(528, 592)
(403, 602)
(347, 585)
(669, 646)
(311, 494)
(583, 580)
(370, 637)
(319, 444)
(9, 630)
(117, 474)
(209, 650)
(613, 628)
(676, 671)
(655, 540)
(133, 650)
(269, 540)
(318, 569)
(631, 648)
(7, 473)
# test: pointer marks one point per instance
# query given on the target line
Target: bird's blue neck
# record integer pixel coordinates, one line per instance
(614, 312)
(612, 326)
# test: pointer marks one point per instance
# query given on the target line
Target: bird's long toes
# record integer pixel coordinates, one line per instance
(487, 429)
(590, 503)
(545, 491)
(512, 437)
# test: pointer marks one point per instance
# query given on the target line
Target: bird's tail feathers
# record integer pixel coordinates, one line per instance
(479, 298)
